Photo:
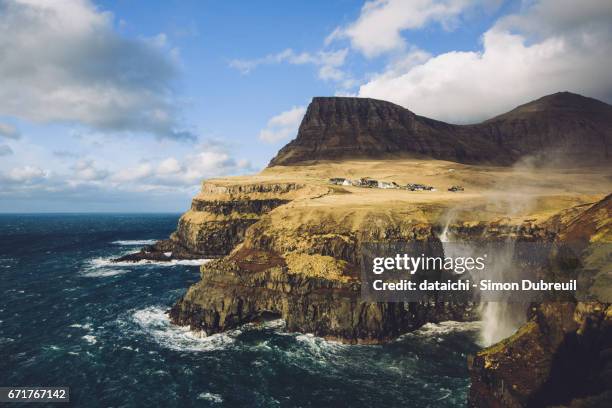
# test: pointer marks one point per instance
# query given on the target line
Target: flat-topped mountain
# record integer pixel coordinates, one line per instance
(577, 127)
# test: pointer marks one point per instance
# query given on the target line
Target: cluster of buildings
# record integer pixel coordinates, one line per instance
(371, 183)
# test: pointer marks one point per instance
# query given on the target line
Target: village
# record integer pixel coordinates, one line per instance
(367, 182)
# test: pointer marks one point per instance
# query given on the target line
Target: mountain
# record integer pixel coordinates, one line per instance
(578, 127)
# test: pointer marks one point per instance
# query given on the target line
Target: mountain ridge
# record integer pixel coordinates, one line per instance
(333, 128)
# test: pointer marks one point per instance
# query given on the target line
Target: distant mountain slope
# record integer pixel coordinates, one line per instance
(340, 127)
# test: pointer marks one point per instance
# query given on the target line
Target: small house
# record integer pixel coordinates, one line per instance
(337, 181)
(387, 185)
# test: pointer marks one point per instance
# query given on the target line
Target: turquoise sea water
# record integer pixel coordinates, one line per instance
(68, 317)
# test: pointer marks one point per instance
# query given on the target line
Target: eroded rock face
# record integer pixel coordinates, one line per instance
(308, 273)
(314, 294)
(562, 356)
(300, 262)
(217, 220)
(563, 125)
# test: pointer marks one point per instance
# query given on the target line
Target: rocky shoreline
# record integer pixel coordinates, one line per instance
(287, 243)
(308, 275)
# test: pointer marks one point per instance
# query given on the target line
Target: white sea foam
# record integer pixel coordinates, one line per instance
(90, 339)
(155, 323)
(103, 273)
(317, 345)
(438, 330)
(86, 326)
(209, 396)
(135, 242)
(108, 262)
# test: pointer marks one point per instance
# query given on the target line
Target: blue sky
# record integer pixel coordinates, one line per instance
(129, 105)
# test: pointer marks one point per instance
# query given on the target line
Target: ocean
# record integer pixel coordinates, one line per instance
(69, 317)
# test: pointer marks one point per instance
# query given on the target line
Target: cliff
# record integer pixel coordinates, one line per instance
(566, 125)
(287, 242)
(563, 354)
(297, 257)
(219, 217)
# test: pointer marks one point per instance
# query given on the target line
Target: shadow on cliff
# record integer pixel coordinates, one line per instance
(580, 371)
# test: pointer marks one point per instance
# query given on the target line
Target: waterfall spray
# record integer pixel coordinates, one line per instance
(502, 318)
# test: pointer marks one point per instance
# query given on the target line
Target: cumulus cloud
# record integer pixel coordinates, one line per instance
(380, 23)
(27, 174)
(283, 126)
(550, 46)
(189, 171)
(86, 169)
(106, 184)
(328, 62)
(63, 62)
(136, 173)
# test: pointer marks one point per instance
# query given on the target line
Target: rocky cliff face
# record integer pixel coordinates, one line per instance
(218, 219)
(300, 262)
(563, 355)
(565, 125)
(309, 277)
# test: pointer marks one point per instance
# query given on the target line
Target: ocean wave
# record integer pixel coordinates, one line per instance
(103, 273)
(320, 344)
(135, 242)
(90, 339)
(86, 326)
(155, 323)
(108, 262)
(209, 396)
(437, 330)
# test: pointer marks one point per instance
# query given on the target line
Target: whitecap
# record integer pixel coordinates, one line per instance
(90, 339)
(103, 273)
(319, 348)
(108, 262)
(155, 323)
(86, 326)
(135, 242)
(209, 396)
(438, 330)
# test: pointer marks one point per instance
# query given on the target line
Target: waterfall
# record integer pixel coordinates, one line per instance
(501, 318)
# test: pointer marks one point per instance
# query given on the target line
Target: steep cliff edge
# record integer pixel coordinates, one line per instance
(563, 355)
(300, 260)
(565, 125)
(219, 217)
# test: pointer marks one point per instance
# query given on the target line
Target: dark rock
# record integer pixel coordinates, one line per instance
(561, 356)
(562, 125)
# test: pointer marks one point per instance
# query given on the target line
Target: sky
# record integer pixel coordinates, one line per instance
(127, 106)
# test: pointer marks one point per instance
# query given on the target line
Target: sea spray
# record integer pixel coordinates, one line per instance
(500, 318)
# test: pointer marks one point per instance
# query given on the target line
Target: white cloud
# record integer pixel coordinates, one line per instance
(27, 174)
(380, 23)
(549, 47)
(86, 169)
(63, 62)
(169, 166)
(136, 173)
(327, 61)
(208, 161)
(9, 131)
(283, 126)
